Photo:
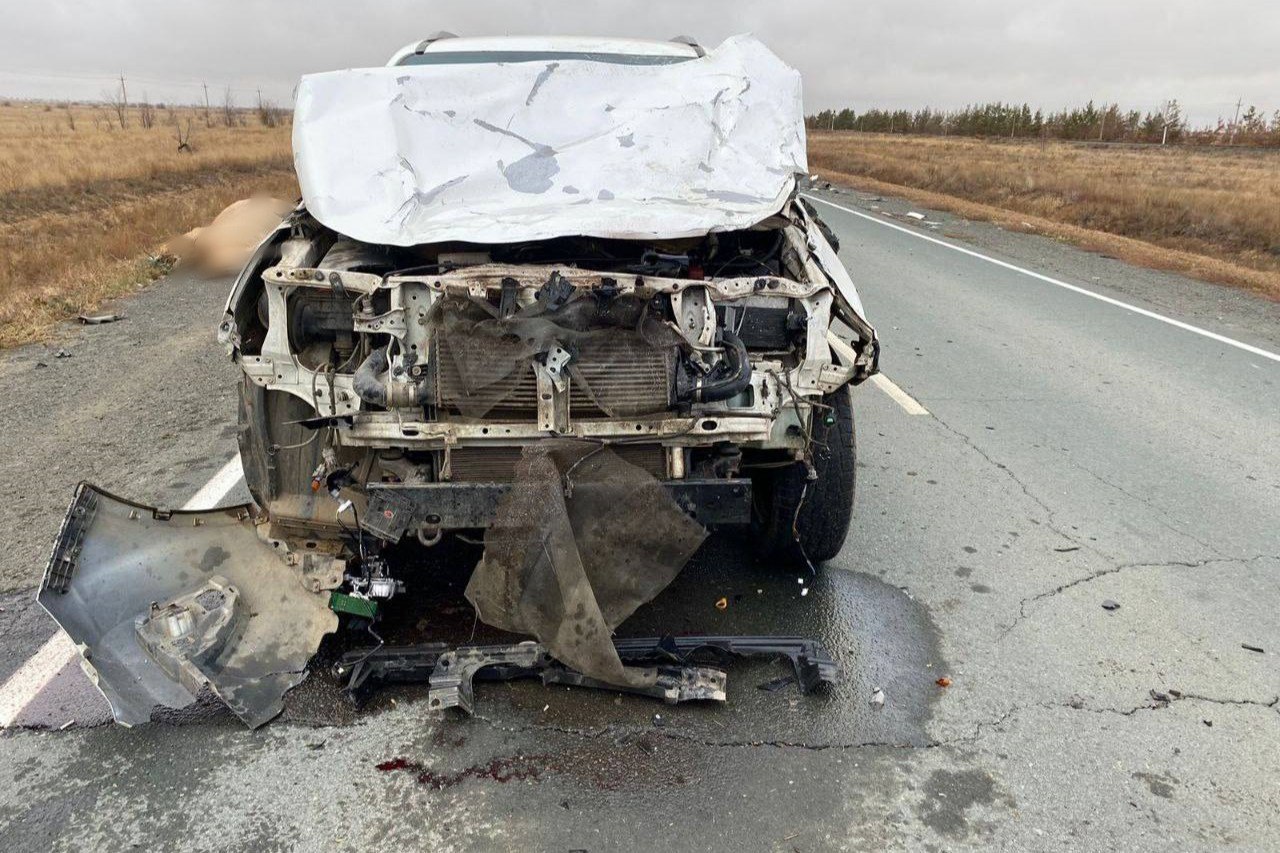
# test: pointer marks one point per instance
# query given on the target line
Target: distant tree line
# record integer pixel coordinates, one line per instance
(1106, 123)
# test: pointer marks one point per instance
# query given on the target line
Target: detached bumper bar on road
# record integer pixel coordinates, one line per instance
(395, 509)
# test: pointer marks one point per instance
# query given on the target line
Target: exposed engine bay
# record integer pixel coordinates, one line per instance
(693, 357)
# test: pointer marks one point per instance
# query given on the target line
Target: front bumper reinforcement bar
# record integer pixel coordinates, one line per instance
(682, 664)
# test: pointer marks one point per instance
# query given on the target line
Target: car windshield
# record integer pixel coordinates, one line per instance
(492, 57)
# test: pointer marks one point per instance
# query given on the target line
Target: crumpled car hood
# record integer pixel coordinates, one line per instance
(501, 153)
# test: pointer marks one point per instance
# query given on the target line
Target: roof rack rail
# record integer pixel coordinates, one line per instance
(426, 42)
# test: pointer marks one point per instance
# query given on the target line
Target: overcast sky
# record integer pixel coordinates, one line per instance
(892, 53)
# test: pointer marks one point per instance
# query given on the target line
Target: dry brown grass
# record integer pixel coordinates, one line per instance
(1210, 213)
(81, 209)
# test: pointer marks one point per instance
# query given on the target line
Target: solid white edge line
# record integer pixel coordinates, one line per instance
(26, 683)
(208, 496)
(1214, 336)
(33, 675)
(908, 403)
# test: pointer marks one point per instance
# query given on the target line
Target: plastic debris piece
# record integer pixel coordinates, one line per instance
(912, 214)
(1249, 648)
(722, 603)
(944, 681)
(99, 319)
(877, 697)
(775, 684)
(1108, 604)
(804, 591)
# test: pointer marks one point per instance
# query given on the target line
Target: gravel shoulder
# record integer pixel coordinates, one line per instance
(143, 407)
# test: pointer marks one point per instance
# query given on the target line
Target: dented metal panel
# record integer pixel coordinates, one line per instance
(504, 152)
(163, 604)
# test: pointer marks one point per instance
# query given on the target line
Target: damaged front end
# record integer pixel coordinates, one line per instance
(164, 604)
(587, 342)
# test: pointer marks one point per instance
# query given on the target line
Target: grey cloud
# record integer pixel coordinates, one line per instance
(876, 52)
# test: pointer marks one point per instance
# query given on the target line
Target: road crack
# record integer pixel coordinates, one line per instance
(1089, 578)
(1050, 515)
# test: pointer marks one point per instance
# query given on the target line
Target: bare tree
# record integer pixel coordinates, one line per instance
(118, 101)
(228, 109)
(269, 115)
(184, 137)
(146, 112)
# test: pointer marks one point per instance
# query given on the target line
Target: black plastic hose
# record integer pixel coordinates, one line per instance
(733, 384)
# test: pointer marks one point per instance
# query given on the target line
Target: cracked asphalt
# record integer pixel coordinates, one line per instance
(1074, 455)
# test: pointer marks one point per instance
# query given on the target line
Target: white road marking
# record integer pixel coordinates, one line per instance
(1214, 336)
(218, 486)
(908, 403)
(32, 677)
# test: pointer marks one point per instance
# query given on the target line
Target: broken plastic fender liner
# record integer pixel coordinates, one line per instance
(429, 153)
(163, 604)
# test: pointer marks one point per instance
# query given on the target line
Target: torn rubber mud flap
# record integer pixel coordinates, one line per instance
(163, 604)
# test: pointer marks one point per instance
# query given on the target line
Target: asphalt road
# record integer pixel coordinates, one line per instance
(1064, 452)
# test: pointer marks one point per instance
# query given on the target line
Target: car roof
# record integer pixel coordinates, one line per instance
(448, 43)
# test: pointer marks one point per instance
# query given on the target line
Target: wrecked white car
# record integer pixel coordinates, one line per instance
(561, 293)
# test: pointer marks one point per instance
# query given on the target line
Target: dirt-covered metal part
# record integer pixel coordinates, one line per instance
(362, 670)
(163, 604)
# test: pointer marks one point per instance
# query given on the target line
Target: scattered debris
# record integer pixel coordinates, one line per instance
(1208, 723)
(1067, 549)
(877, 698)
(1159, 696)
(911, 214)
(62, 354)
(776, 684)
(658, 721)
(1249, 648)
(99, 319)
(944, 681)
(722, 603)
(1108, 604)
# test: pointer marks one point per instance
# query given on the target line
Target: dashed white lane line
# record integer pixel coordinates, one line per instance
(33, 676)
(908, 403)
(1214, 336)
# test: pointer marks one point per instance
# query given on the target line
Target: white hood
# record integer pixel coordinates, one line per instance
(500, 153)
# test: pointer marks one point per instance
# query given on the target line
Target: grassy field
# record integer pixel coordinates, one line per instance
(83, 203)
(1210, 213)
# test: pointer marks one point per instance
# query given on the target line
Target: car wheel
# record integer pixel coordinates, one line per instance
(798, 514)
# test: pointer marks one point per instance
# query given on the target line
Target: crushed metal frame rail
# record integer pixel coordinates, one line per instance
(681, 663)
